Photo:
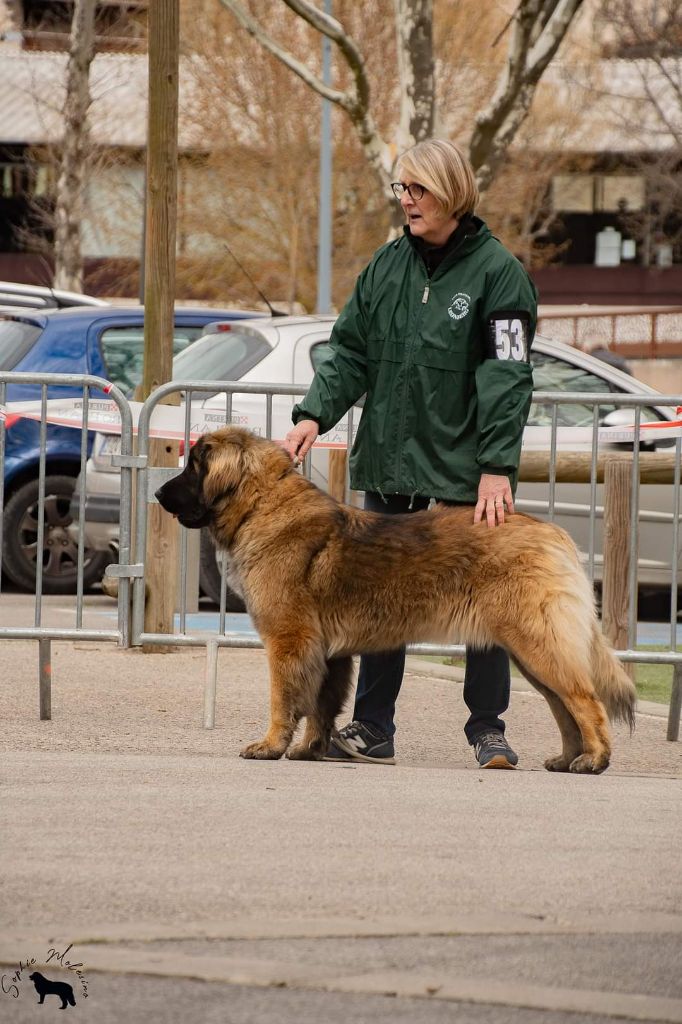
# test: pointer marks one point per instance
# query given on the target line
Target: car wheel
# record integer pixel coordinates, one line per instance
(60, 552)
(210, 575)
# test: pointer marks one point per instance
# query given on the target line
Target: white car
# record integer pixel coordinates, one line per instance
(287, 350)
(16, 295)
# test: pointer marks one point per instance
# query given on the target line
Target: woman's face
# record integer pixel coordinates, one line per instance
(425, 217)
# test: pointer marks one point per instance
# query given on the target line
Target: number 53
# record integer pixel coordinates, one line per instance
(510, 341)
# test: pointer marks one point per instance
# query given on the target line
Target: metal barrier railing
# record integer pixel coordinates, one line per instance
(88, 384)
(40, 631)
(592, 468)
(554, 465)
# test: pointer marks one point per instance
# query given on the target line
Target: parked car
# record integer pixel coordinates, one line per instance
(106, 341)
(34, 296)
(287, 350)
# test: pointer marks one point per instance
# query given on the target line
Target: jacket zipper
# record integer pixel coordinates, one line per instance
(408, 360)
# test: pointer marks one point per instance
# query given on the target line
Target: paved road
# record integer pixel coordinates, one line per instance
(193, 885)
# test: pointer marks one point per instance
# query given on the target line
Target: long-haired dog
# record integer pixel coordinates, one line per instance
(323, 581)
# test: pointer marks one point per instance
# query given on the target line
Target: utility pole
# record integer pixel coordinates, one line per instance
(159, 277)
(324, 245)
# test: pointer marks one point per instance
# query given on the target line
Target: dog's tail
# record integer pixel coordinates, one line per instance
(614, 687)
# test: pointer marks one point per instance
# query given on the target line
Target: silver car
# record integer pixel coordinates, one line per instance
(286, 350)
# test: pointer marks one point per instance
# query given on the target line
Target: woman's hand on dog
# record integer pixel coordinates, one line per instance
(494, 494)
(300, 439)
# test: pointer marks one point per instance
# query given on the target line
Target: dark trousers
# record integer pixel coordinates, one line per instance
(486, 678)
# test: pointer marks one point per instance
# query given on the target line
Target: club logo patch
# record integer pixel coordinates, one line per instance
(459, 306)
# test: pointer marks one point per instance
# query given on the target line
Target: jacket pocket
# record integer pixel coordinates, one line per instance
(439, 358)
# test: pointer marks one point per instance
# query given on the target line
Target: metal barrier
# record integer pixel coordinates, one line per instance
(149, 479)
(39, 630)
(553, 465)
(87, 383)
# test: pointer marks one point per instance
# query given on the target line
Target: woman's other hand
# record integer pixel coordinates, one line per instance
(300, 439)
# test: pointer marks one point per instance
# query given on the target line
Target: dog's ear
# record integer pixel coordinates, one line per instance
(220, 466)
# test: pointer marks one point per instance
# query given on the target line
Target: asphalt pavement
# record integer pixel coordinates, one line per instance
(191, 885)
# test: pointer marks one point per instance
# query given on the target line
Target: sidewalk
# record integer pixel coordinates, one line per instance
(193, 885)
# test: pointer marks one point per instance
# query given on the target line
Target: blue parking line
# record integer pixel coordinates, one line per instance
(238, 624)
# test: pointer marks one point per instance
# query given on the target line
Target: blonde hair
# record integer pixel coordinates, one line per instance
(442, 168)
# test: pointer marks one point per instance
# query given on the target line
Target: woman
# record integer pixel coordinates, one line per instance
(437, 335)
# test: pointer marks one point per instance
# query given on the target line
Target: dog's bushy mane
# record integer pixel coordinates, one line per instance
(249, 461)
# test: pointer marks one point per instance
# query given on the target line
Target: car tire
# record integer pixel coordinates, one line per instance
(210, 576)
(60, 552)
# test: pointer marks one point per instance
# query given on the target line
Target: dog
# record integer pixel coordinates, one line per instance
(45, 987)
(324, 581)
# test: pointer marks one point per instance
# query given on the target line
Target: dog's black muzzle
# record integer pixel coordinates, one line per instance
(180, 497)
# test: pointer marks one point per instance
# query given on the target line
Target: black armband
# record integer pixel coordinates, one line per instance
(508, 336)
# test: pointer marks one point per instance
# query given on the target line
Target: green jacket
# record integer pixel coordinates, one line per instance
(444, 363)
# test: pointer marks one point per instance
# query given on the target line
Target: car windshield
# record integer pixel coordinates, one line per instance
(16, 339)
(553, 374)
(223, 356)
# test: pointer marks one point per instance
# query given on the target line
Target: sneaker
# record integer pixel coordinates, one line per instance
(360, 742)
(493, 751)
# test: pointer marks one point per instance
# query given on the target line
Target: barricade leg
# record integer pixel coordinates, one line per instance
(675, 705)
(45, 679)
(210, 684)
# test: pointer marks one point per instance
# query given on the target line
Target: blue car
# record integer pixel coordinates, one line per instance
(107, 342)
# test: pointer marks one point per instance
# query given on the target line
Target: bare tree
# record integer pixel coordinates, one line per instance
(537, 30)
(69, 196)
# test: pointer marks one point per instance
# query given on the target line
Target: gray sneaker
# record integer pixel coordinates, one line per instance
(360, 742)
(493, 751)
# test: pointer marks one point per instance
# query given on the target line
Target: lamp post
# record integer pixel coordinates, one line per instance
(324, 238)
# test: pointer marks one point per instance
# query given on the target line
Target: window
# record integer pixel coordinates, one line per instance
(123, 352)
(572, 193)
(552, 374)
(16, 340)
(597, 193)
(225, 356)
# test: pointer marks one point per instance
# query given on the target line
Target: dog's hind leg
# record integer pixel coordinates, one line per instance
(571, 739)
(330, 700)
(297, 667)
(561, 673)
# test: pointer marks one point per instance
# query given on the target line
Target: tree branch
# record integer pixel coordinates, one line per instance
(539, 29)
(355, 103)
(248, 23)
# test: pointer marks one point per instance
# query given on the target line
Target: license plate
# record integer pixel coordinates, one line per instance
(110, 444)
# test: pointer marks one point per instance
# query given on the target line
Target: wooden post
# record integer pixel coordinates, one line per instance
(45, 679)
(675, 709)
(159, 273)
(615, 583)
(338, 459)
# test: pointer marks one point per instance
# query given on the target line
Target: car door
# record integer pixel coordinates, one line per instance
(572, 501)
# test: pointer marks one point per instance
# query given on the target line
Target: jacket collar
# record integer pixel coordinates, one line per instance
(467, 236)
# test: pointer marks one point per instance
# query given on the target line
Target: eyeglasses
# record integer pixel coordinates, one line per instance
(415, 192)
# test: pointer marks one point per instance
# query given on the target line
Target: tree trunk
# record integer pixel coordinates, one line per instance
(162, 535)
(71, 181)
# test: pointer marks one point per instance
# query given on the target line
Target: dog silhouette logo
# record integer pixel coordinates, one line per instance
(45, 987)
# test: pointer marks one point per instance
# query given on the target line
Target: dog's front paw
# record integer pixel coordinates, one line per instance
(261, 751)
(560, 763)
(303, 752)
(590, 764)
